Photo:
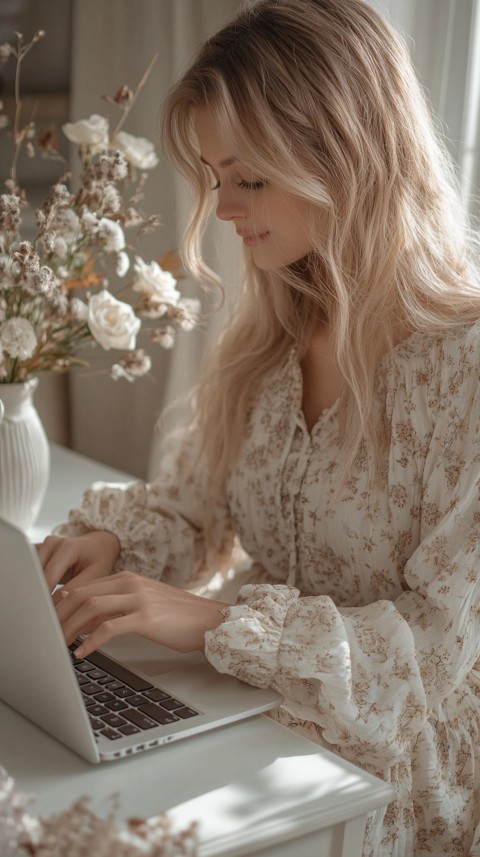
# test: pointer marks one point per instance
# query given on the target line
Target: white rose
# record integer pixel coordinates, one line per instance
(17, 338)
(111, 234)
(112, 323)
(152, 280)
(138, 151)
(88, 132)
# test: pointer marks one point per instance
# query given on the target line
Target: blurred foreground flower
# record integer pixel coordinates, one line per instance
(56, 291)
(79, 832)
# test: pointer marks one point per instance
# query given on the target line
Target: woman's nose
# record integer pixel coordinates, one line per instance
(229, 205)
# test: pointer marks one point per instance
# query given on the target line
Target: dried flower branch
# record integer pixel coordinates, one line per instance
(126, 99)
(19, 134)
(55, 291)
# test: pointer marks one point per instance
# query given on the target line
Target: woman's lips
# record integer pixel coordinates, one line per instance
(252, 238)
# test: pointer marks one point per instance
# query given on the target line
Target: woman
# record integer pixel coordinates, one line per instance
(336, 425)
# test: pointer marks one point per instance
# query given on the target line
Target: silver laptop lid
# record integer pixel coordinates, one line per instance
(38, 680)
(36, 677)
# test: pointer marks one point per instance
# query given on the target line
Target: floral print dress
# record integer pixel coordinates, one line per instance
(363, 606)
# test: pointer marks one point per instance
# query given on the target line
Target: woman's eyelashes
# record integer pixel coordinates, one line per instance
(253, 185)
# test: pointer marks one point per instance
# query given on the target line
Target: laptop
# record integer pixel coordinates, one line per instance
(99, 707)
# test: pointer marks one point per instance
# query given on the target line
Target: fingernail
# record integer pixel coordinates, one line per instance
(78, 653)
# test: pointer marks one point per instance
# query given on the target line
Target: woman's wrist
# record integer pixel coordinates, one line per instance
(214, 617)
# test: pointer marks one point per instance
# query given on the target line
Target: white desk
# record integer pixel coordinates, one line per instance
(255, 787)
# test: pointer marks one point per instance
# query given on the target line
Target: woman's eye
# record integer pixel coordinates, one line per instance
(255, 185)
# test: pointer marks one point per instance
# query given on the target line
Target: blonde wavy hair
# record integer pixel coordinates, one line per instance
(319, 97)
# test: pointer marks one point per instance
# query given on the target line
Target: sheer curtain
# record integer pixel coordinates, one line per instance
(113, 42)
(444, 40)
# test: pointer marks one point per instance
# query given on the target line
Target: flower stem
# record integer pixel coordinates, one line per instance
(18, 137)
(136, 94)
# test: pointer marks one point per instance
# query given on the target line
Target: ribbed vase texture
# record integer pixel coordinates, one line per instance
(24, 455)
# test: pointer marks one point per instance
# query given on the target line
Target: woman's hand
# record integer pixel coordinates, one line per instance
(128, 603)
(82, 557)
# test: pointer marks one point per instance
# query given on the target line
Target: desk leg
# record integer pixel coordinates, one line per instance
(353, 833)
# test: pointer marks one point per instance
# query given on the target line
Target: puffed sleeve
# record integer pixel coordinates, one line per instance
(369, 675)
(160, 525)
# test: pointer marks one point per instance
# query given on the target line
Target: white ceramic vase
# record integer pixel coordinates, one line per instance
(24, 455)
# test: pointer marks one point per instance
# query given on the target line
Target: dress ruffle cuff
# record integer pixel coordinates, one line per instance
(111, 507)
(246, 644)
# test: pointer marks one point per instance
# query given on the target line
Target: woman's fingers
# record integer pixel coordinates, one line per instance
(93, 612)
(113, 627)
(89, 556)
(46, 548)
(57, 557)
(127, 602)
(83, 608)
(80, 589)
(74, 596)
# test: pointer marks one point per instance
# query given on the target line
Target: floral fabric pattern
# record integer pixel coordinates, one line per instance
(363, 606)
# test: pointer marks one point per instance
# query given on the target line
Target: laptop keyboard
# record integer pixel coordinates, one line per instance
(120, 702)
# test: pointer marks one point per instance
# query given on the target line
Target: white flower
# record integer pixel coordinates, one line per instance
(18, 830)
(9, 211)
(132, 366)
(66, 224)
(152, 307)
(17, 338)
(110, 165)
(112, 323)
(164, 336)
(78, 309)
(111, 199)
(44, 282)
(123, 264)
(60, 247)
(89, 220)
(111, 234)
(6, 271)
(88, 132)
(152, 280)
(188, 311)
(139, 151)
(117, 372)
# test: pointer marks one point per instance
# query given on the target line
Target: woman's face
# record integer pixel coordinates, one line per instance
(272, 222)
